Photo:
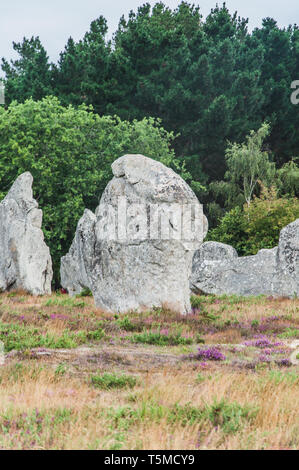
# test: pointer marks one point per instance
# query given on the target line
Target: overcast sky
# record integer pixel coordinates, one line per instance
(54, 21)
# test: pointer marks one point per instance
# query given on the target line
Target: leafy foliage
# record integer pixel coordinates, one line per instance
(248, 165)
(29, 75)
(288, 178)
(257, 226)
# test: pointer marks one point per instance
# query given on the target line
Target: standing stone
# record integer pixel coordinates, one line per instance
(141, 253)
(287, 273)
(217, 269)
(77, 265)
(25, 261)
(210, 267)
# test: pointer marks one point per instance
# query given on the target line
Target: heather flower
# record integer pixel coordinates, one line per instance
(262, 342)
(281, 350)
(284, 362)
(59, 316)
(273, 318)
(187, 336)
(124, 335)
(203, 365)
(263, 327)
(264, 358)
(195, 310)
(268, 351)
(210, 354)
(164, 331)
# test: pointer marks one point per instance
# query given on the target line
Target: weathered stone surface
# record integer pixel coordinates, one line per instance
(25, 261)
(77, 265)
(136, 269)
(217, 269)
(286, 280)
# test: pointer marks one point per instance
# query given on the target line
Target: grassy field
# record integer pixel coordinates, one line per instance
(223, 377)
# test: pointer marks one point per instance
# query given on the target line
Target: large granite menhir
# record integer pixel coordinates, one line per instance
(217, 269)
(25, 261)
(140, 268)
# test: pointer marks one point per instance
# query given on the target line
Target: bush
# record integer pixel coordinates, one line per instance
(107, 381)
(22, 337)
(85, 293)
(231, 230)
(230, 416)
(161, 339)
(125, 323)
(258, 225)
(265, 217)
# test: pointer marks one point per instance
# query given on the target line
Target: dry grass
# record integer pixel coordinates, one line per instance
(90, 425)
(257, 308)
(46, 404)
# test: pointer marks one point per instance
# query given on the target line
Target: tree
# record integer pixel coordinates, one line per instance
(82, 74)
(200, 78)
(69, 152)
(288, 179)
(266, 217)
(29, 75)
(257, 226)
(248, 164)
(279, 67)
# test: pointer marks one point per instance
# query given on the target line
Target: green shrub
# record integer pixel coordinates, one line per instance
(85, 293)
(230, 416)
(196, 301)
(20, 337)
(258, 225)
(186, 414)
(107, 381)
(65, 302)
(160, 339)
(290, 333)
(95, 335)
(60, 369)
(125, 323)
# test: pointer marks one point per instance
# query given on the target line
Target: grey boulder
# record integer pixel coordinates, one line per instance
(132, 264)
(217, 269)
(25, 261)
(76, 267)
(286, 279)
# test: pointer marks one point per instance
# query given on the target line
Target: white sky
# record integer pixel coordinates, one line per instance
(54, 21)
